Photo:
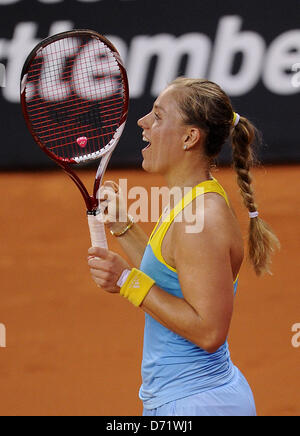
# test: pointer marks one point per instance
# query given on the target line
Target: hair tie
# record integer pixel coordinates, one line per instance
(236, 119)
(253, 214)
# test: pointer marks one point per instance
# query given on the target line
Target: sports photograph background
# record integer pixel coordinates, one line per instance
(71, 349)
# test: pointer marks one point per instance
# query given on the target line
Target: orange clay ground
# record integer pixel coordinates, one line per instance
(72, 350)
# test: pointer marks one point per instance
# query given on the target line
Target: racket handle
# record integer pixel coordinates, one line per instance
(97, 231)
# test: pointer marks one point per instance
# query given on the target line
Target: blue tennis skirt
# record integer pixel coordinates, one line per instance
(232, 399)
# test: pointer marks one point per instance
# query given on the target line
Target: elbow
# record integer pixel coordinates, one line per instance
(213, 348)
(209, 338)
(213, 342)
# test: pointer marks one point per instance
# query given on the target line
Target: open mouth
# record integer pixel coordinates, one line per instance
(148, 143)
(147, 146)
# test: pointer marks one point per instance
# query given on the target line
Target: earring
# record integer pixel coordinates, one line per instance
(185, 148)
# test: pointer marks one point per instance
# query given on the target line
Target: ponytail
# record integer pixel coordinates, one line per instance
(205, 105)
(262, 241)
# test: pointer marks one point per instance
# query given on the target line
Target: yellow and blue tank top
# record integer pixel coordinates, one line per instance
(174, 367)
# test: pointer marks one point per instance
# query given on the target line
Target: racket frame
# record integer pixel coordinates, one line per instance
(91, 201)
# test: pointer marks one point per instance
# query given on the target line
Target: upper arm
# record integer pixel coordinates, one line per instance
(204, 270)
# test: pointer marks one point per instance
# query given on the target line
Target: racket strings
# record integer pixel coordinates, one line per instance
(75, 90)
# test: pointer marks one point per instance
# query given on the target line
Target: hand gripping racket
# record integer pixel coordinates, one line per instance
(75, 97)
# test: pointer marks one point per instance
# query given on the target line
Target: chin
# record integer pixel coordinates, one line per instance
(152, 166)
(146, 169)
(149, 169)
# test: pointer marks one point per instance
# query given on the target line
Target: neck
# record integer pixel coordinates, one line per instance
(188, 175)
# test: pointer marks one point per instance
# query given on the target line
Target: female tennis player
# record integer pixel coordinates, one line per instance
(185, 282)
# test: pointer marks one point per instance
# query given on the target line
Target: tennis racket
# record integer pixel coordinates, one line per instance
(75, 97)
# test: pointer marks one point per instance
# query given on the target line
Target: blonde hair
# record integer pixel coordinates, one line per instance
(206, 105)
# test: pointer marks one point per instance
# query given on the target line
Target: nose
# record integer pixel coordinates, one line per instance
(143, 122)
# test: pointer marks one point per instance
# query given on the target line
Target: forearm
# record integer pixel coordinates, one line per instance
(134, 243)
(131, 238)
(176, 314)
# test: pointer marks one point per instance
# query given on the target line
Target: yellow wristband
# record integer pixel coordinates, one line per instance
(136, 287)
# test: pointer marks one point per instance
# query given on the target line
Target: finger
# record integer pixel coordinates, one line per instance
(104, 276)
(100, 265)
(90, 258)
(103, 284)
(99, 283)
(105, 190)
(103, 206)
(102, 253)
(111, 184)
(95, 263)
(106, 193)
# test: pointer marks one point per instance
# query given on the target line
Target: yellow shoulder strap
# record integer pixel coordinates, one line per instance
(159, 232)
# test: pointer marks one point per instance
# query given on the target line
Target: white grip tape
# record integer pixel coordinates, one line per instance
(97, 231)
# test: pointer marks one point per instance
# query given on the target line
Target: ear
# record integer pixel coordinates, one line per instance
(192, 137)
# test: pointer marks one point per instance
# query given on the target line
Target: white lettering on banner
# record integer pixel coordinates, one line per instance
(53, 66)
(230, 41)
(273, 64)
(283, 53)
(296, 77)
(17, 50)
(99, 88)
(120, 45)
(2, 76)
(169, 51)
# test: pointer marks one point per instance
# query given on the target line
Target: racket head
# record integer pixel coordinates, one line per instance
(75, 96)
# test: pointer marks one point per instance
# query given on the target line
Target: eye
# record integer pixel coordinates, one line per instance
(157, 117)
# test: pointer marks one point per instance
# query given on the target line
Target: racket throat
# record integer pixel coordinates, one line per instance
(92, 206)
(94, 212)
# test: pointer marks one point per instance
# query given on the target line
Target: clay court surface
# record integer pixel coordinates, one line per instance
(72, 350)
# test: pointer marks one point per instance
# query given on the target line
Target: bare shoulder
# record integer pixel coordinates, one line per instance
(208, 214)
(215, 229)
(218, 213)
